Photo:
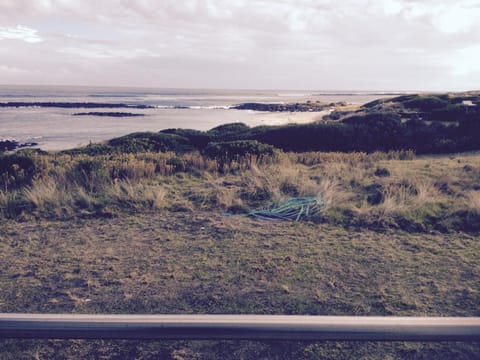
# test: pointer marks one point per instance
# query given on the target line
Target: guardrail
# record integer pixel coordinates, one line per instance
(252, 327)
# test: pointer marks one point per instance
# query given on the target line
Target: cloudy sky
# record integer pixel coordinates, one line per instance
(247, 44)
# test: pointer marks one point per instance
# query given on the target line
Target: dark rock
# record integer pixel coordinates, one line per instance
(293, 107)
(8, 145)
(109, 114)
(73, 105)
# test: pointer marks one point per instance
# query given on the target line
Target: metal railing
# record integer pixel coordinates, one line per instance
(253, 327)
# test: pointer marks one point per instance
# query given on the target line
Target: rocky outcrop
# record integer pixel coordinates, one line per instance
(109, 114)
(74, 105)
(292, 107)
(10, 145)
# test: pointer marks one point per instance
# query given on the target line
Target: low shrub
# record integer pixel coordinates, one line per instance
(16, 170)
(176, 163)
(426, 102)
(150, 141)
(91, 174)
(226, 152)
(307, 137)
(377, 131)
(91, 149)
(229, 132)
(198, 139)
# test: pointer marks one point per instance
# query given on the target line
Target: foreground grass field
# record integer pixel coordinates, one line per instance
(398, 236)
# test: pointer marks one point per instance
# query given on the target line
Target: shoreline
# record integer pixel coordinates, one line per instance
(97, 129)
(44, 115)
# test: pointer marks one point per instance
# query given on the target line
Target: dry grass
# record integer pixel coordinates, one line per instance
(331, 193)
(424, 190)
(137, 195)
(46, 193)
(8, 203)
(354, 158)
(204, 262)
(472, 200)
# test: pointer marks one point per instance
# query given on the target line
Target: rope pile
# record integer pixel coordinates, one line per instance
(293, 209)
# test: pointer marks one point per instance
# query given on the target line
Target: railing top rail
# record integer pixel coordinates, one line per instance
(255, 327)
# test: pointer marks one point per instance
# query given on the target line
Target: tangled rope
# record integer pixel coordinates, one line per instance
(293, 209)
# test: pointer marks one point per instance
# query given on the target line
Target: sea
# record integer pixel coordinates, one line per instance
(57, 128)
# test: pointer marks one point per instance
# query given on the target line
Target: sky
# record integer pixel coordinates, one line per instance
(241, 44)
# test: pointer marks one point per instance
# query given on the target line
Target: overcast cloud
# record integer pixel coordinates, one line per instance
(287, 44)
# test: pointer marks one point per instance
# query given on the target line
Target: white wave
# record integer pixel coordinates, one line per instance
(196, 107)
(294, 94)
(210, 107)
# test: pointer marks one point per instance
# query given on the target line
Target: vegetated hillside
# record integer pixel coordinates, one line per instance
(435, 107)
(422, 123)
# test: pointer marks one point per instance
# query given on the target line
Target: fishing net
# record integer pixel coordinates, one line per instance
(293, 209)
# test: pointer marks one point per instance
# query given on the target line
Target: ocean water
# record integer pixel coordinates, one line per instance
(57, 128)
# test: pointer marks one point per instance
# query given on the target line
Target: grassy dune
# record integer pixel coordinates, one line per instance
(395, 190)
(167, 233)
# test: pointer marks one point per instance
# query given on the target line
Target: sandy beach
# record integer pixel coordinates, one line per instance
(283, 118)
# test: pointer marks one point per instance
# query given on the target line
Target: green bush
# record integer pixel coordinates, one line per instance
(229, 132)
(176, 163)
(377, 131)
(307, 137)
(91, 149)
(92, 175)
(198, 139)
(16, 170)
(150, 141)
(426, 102)
(232, 150)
